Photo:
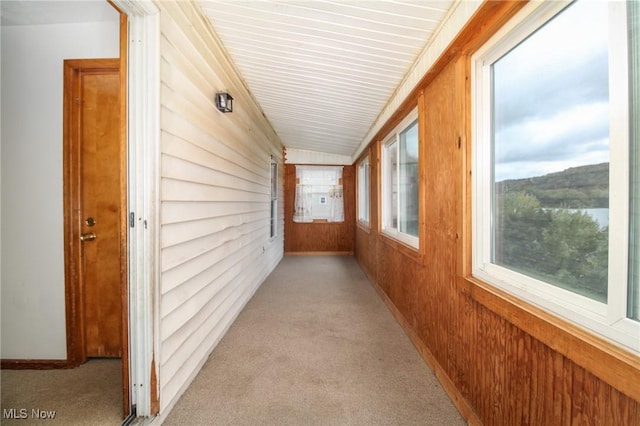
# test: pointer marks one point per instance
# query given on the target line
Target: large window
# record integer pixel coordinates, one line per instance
(400, 216)
(363, 191)
(553, 163)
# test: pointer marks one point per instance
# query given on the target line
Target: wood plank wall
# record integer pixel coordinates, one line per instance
(320, 237)
(503, 361)
(215, 193)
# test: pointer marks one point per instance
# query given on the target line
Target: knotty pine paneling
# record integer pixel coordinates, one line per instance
(320, 237)
(503, 362)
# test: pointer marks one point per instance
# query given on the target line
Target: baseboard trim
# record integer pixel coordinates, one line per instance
(318, 253)
(33, 364)
(459, 401)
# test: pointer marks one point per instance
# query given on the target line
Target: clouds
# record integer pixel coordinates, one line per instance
(551, 98)
(575, 135)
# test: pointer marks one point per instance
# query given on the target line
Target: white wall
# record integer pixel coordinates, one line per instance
(32, 274)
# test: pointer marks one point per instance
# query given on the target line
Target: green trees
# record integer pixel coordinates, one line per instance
(564, 247)
(577, 187)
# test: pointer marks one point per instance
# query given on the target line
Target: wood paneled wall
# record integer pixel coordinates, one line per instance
(320, 237)
(504, 362)
(216, 248)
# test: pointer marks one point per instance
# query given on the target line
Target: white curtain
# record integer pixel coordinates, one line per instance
(303, 204)
(336, 204)
(319, 194)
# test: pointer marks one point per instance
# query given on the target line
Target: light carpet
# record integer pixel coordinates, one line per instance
(88, 395)
(315, 346)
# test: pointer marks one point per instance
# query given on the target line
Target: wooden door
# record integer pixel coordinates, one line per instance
(95, 256)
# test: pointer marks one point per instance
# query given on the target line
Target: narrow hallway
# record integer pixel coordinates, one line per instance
(315, 345)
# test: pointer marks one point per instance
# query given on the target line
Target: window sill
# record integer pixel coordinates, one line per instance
(364, 227)
(318, 221)
(616, 366)
(407, 250)
(404, 239)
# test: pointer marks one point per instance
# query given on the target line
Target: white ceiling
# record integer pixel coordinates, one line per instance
(323, 71)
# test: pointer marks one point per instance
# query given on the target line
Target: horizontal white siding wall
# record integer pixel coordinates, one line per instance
(215, 195)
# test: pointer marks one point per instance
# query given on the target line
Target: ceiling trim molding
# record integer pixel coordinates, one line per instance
(301, 156)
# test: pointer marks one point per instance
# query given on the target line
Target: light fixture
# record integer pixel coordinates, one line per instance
(224, 102)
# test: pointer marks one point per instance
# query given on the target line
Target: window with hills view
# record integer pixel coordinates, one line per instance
(556, 206)
(551, 150)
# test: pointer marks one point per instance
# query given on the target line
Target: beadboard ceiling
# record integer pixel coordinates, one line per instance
(323, 70)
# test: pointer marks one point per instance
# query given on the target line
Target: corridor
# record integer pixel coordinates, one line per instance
(315, 346)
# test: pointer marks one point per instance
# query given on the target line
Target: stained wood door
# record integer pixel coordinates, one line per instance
(100, 212)
(93, 188)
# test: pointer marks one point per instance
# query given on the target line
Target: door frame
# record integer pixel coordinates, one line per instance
(72, 163)
(140, 40)
(140, 131)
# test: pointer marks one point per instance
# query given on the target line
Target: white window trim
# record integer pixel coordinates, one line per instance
(386, 192)
(610, 319)
(273, 199)
(365, 162)
(300, 172)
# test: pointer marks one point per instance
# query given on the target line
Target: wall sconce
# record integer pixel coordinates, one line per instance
(224, 102)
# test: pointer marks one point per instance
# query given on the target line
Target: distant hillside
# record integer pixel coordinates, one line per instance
(576, 187)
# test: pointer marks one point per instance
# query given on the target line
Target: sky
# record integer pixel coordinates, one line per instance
(551, 96)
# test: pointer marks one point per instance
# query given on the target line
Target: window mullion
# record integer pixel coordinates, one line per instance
(633, 293)
(482, 198)
(397, 173)
(619, 164)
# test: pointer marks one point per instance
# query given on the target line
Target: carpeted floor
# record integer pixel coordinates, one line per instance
(88, 395)
(315, 346)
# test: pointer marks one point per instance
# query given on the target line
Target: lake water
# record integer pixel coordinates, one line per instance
(599, 215)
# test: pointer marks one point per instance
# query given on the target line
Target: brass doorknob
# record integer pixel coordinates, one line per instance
(90, 236)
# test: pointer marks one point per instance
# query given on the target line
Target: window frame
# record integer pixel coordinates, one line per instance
(386, 192)
(315, 217)
(607, 319)
(364, 191)
(273, 199)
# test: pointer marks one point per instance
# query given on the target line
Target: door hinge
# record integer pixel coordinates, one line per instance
(132, 219)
